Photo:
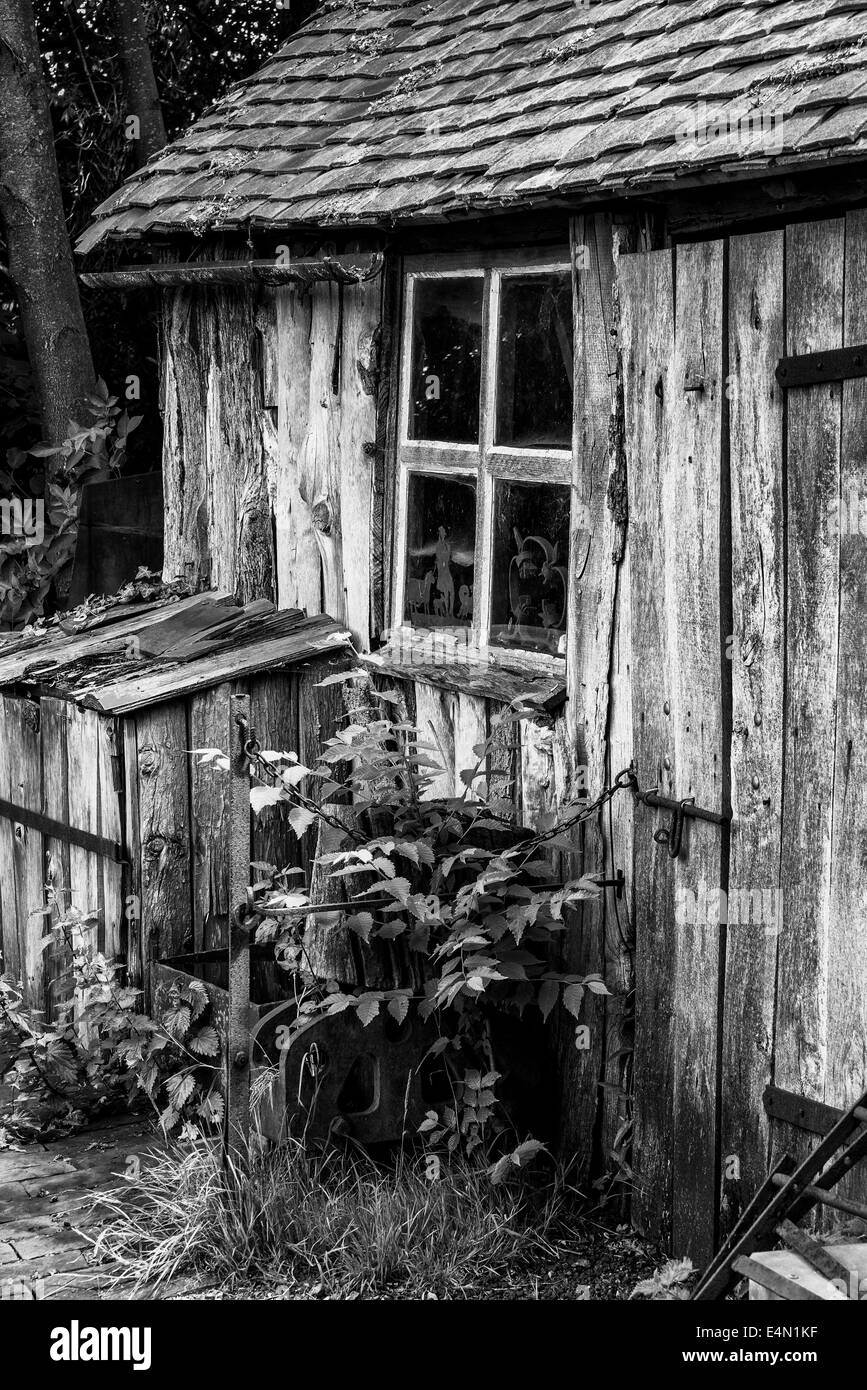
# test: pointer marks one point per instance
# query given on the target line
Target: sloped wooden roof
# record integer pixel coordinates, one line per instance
(388, 111)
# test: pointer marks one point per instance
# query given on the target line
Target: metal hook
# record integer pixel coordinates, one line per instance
(673, 834)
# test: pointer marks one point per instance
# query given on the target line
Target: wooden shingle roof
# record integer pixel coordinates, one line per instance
(379, 112)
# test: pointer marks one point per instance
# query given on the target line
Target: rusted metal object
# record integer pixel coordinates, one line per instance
(336, 1076)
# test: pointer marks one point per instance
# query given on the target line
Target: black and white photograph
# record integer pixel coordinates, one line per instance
(433, 674)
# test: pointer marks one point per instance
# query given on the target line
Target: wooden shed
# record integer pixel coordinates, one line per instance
(527, 341)
(101, 797)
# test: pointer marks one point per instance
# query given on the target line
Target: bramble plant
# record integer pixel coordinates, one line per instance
(472, 894)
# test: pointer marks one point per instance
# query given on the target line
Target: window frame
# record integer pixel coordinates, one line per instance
(486, 462)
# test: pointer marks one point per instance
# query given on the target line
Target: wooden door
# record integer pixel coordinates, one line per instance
(748, 589)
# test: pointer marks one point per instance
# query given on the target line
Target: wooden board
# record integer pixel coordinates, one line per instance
(647, 308)
(21, 864)
(756, 343)
(164, 811)
(847, 938)
(210, 832)
(55, 715)
(814, 320)
(692, 500)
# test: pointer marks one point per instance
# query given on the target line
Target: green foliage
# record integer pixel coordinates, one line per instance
(29, 564)
(103, 1050)
(327, 1224)
(474, 896)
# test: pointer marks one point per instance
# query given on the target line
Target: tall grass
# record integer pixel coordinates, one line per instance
(338, 1220)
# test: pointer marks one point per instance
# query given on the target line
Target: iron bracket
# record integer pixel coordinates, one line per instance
(681, 811)
(617, 883)
(816, 368)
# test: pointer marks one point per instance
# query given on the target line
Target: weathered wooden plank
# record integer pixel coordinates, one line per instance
(847, 937)
(136, 961)
(299, 581)
(82, 756)
(63, 650)
(210, 828)
(692, 494)
(112, 933)
(305, 640)
(619, 857)
(646, 285)
(470, 732)
(21, 866)
(164, 812)
(356, 421)
(435, 719)
(814, 314)
(55, 716)
(592, 592)
(756, 342)
(186, 542)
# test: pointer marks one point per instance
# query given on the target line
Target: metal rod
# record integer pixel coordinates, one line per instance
(665, 803)
(59, 830)
(818, 1194)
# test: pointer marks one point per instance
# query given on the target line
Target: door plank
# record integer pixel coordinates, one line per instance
(756, 342)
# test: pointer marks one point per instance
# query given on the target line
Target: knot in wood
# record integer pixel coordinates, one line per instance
(148, 761)
(323, 517)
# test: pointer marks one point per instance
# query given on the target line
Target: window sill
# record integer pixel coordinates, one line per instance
(544, 692)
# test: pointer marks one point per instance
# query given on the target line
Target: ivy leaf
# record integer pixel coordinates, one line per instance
(548, 997)
(368, 1007)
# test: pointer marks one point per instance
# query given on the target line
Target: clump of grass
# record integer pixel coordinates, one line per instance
(338, 1220)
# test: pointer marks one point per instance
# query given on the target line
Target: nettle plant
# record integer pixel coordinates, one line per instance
(103, 1050)
(470, 892)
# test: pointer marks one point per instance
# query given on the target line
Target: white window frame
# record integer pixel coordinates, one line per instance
(486, 462)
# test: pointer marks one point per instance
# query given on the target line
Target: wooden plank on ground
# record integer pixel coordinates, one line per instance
(756, 343)
(847, 939)
(692, 499)
(164, 811)
(647, 307)
(814, 314)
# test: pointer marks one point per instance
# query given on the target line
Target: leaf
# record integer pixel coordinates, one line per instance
(573, 998)
(260, 797)
(548, 996)
(399, 1007)
(596, 986)
(361, 923)
(368, 1007)
(664, 1283)
(301, 820)
(180, 1088)
(294, 774)
(526, 1152)
(430, 1121)
(205, 1042)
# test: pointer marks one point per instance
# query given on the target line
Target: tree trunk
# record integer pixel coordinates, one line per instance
(139, 83)
(40, 259)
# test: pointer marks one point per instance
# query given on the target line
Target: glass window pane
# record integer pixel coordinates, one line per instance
(446, 360)
(440, 551)
(534, 386)
(529, 580)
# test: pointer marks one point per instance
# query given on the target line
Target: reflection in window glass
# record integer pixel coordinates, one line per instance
(446, 360)
(440, 551)
(529, 582)
(534, 379)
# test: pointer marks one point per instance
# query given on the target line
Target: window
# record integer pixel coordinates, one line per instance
(485, 452)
